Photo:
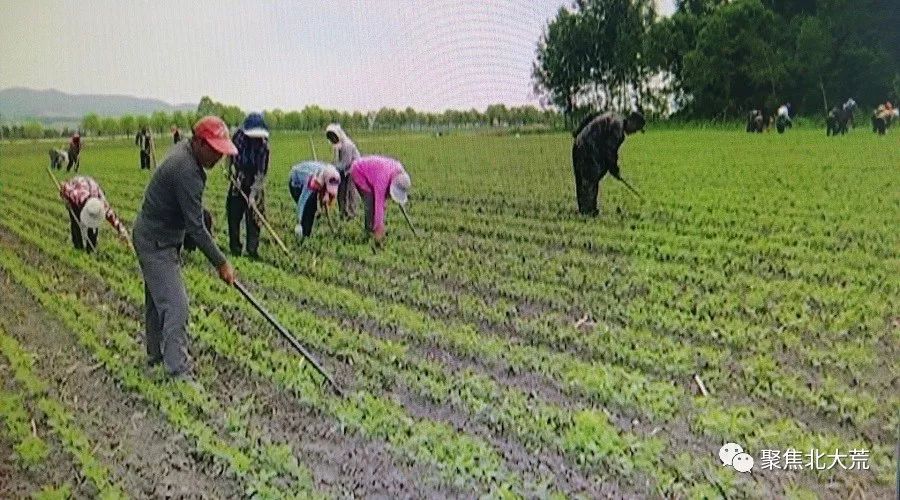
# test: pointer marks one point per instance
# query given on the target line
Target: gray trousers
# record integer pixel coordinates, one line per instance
(166, 306)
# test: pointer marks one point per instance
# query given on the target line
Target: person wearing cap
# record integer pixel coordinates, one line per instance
(595, 153)
(87, 208)
(248, 170)
(376, 178)
(307, 179)
(74, 151)
(345, 153)
(172, 208)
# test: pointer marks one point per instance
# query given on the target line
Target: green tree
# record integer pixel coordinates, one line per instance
(736, 62)
(109, 126)
(143, 121)
(127, 124)
(180, 120)
(159, 121)
(813, 56)
(91, 123)
(558, 68)
(33, 130)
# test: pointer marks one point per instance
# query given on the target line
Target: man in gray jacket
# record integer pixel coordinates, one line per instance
(173, 207)
(595, 153)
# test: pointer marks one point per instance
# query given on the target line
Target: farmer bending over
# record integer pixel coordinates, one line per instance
(345, 153)
(376, 178)
(596, 152)
(87, 208)
(173, 206)
(307, 179)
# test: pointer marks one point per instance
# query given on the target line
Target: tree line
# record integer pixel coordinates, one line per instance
(717, 59)
(309, 118)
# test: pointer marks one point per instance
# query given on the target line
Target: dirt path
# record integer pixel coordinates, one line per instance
(148, 457)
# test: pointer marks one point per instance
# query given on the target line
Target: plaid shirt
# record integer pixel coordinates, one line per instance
(77, 190)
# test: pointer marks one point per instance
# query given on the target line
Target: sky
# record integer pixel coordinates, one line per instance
(344, 54)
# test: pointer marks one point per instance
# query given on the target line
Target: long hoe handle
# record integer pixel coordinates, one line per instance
(313, 148)
(633, 190)
(260, 216)
(408, 221)
(287, 335)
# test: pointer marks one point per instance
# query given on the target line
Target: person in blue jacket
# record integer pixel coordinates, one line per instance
(306, 179)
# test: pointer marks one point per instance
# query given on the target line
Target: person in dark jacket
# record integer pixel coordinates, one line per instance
(144, 142)
(595, 153)
(248, 170)
(173, 207)
(755, 121)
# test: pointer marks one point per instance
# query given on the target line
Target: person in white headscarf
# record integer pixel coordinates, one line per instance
(345, 153)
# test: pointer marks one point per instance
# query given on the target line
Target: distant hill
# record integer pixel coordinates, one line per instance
(21, 102)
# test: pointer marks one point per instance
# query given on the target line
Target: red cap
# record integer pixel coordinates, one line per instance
(214, 131)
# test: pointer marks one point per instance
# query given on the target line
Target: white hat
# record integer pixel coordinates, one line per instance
(329, 178)
(400, 188)
(92, 213)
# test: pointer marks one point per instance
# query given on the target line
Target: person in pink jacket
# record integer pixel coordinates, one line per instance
(376, 178)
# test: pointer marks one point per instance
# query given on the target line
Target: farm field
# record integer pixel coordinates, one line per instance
(516, 349)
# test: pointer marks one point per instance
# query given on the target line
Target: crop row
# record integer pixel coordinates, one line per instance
(103, 333)
(31, 449)
(461, 459)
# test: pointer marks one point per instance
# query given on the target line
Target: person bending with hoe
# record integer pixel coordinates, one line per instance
(87, 208)
(173, 207)
(306, 180)
(596, 152)
(376, 178)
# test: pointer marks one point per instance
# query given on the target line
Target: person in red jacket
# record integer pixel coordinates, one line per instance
(74, 151)
(87, 208)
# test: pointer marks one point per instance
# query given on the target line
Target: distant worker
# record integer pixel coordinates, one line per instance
(176, 135)
(595, 153)
(882, 117)
(377, 178)
(74, 151)
(173, 208)
(783, 118)
(58, 158)
(345, 153)
(312, 184)
(144, 141)
(248, 170)
(755, 121)
(840, 119)
(87, 208)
